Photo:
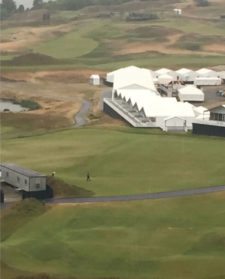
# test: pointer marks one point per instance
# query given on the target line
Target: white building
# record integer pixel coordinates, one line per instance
(135, 99)
(23, 179)
(95, 79)
(190, 93)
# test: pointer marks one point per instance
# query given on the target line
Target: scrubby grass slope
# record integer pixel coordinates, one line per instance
(166, 239)
(122, 162)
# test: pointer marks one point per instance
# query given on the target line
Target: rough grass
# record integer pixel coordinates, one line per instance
(62, 189)
(175, 238)
(19, 214)
(122, 162)
(25, 124)
(93, 42)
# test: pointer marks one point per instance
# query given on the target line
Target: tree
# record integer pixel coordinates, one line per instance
(37, 4)
(21, 8)
(202, 3)
(7, 8)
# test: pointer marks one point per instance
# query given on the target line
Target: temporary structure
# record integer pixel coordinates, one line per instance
(95, 79)
(199, 81)
(190, 93)
(164, 71)
(165, 79)
(185, 75)
(204, 72)
(133, 78)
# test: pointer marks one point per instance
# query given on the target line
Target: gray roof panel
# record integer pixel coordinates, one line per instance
(18, 169)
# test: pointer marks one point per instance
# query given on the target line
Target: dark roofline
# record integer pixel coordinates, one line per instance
(218, 106)
(23, 171)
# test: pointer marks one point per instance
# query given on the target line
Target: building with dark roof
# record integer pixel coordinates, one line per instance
(215, 126)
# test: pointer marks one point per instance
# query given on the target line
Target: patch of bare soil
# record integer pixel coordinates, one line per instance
(168, 46)
(215, 48)
(141, 47)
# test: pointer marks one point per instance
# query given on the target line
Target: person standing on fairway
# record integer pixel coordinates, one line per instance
(88, 176)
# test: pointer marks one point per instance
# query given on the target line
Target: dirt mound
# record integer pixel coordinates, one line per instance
(33, 59)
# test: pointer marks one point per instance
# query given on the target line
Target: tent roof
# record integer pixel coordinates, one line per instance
(163, 71)
(94, 76)
(133, 76)
(204, 71)
(190, 90)
(166, 76)
(169, 108)
(184, 71)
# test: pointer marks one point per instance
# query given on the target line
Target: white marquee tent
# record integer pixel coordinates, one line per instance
(186, 75)
(133, 78)
(190, 93)
(165, 79)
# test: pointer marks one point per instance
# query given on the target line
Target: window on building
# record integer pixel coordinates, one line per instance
(38, 186)
(18, 179)
(25, 181)
(7, 174)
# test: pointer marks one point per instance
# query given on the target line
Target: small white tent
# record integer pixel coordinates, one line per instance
(164, 71)
(190, 93)
(200, 81)
(165, 79)
(185, 75)
(95, 80)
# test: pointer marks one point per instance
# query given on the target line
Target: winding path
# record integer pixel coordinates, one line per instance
(140, 197)
(81, 116)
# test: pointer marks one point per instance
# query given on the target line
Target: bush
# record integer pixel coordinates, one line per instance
(31, 105)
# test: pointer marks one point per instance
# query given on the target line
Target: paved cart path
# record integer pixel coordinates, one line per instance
(140, 197)
(81, 116)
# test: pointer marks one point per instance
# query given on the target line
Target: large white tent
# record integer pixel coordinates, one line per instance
(190, 93)
(136, 99)
(133, 78)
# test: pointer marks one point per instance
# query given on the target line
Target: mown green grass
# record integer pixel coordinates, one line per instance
(73, 44)
(128, 161)
(92, 43)
(166, 239)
